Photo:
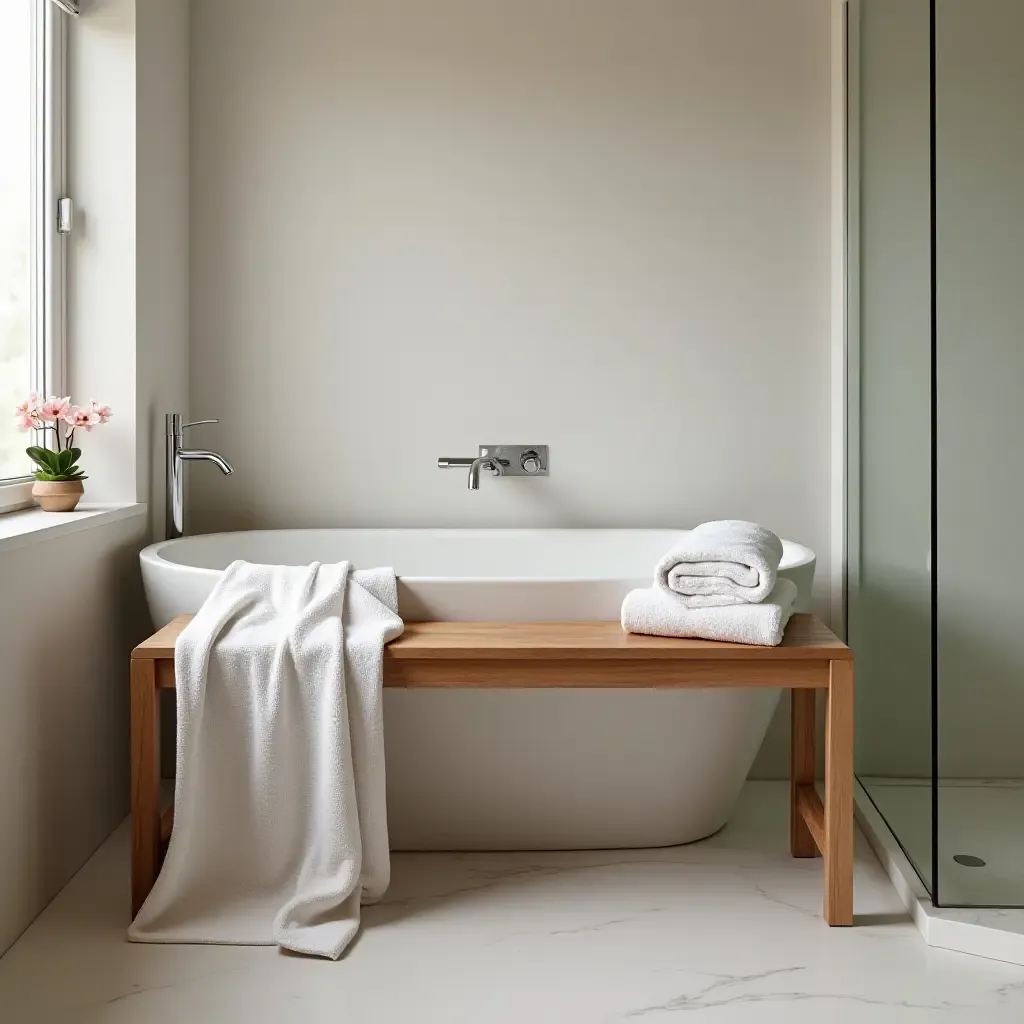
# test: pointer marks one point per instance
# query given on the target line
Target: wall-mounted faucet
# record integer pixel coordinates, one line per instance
(493, 466)
(501, 460)
(176, 455)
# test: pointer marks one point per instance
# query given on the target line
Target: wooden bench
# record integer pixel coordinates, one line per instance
(574, 654)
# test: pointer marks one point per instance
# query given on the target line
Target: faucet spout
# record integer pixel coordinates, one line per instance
(484, 462)
(202, 455)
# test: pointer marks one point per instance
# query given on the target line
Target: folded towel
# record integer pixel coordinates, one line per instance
(280, 824)
(722, 563)
(658, 613)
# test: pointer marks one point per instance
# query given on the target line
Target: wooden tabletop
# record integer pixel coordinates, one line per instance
(161, 644)
(806, 638)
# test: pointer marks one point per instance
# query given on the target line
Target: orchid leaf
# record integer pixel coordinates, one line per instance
(43, 458)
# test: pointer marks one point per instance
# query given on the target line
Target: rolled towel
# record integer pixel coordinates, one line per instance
(657, 613)
(722, 563)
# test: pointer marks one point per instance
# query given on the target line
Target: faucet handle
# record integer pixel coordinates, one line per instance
(198, 423)
(530, 462)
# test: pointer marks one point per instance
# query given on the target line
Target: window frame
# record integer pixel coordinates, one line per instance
(48, 256)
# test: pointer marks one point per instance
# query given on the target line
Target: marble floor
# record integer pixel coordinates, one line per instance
(728, 930)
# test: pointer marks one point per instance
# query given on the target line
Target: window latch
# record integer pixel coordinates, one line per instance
(65, 215)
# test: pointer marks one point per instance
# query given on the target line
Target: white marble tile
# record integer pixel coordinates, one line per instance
(728, 930)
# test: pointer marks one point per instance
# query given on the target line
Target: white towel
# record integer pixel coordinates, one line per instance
(722, 563)
(280, 826)
(658, 613)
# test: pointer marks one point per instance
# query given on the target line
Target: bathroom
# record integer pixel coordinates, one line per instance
(686, 245)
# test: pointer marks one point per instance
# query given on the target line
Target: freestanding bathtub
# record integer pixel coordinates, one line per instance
(533, 770)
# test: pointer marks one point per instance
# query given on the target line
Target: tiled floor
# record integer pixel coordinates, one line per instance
(727, 930)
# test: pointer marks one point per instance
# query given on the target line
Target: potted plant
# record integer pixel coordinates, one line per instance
(58, 486)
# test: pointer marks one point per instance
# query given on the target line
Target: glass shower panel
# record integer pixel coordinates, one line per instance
(979, 151)
(890, 627)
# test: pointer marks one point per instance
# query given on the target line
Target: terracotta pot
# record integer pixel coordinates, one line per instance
(58, 495)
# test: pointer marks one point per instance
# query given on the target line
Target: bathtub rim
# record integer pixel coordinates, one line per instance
(152, 553)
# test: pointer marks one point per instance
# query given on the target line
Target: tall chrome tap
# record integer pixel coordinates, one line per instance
(176, 456)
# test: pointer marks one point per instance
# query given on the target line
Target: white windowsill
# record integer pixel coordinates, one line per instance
(30, 525)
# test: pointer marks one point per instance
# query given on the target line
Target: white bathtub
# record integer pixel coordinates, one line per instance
(537, 770)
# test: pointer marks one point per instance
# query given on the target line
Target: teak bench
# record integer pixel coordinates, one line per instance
(574, 654)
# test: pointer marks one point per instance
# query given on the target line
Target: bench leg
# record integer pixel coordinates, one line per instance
(801, 769)
(838, 850)
(145, 797)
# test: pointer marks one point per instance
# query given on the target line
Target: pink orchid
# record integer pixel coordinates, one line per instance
(27, 414)
(104, 412)
(54, 409)
(77, 417)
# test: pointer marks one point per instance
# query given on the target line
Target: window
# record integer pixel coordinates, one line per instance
(31, 250)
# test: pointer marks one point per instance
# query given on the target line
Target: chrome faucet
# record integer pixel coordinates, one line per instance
(474, 465)
(176, 455)
(501, 460)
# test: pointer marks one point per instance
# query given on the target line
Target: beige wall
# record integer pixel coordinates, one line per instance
(75, 607)
(162, 211)
(68, 626)
(128, 282)
(419, 227)
(101, 296)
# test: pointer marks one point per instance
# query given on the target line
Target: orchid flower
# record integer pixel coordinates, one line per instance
(75, 416)
(54, 409)
(36, 414)
(27, 414)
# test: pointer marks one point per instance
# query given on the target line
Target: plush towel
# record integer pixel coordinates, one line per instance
(722, 563)
(280, 826)
(658, 613)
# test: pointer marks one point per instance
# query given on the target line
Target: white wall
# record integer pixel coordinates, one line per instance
(417, 227)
